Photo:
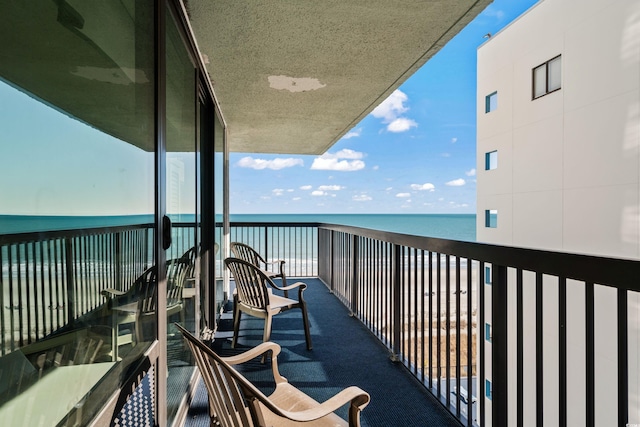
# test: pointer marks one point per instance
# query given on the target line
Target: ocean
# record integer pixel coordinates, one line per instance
(446, 226)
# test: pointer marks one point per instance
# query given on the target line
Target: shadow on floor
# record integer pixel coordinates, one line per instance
(344, 353)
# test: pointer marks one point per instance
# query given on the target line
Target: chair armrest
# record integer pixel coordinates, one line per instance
(111, 293)
(296, 285)
(259, 351)
(358, 398)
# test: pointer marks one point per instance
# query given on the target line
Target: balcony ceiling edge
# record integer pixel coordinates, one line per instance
(295, 76)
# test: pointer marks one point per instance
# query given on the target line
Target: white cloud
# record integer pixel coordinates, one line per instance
(318, 193)
(353, 133)
(391, 111)
(401, 124)
(275, 164)
(446, 154)
(427, 186)
(376, 167)
(362, 198)
(345, 153)
(456, 183)
(332, 161)
(392, 107)
(471, 172)
(330, 187)
(295, 199)
(388, 188)
(277, 191)
(306, 187)
(337, 165)
(454, 140)
(403, 195)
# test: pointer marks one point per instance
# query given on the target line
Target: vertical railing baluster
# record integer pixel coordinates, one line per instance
(396, 323)
(20, 302)
(562, 351)
(589, 323)
(623, 359)
(430, 320)
(481, 343)
(3, 323)
(519, 350)
(415, 311)
(438, 325)
(422, 316)
(36, 327)
(69, 304)
(539, 352)
(354, 275)
(26, 305)
(118, 260)
(458, 333)
(470, 359)
(42, 304)
(447, 299)
(499, 348)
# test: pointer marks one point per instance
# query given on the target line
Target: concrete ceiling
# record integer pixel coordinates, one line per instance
(293, 76)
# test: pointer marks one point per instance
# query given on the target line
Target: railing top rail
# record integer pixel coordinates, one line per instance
(618, 272)
(37, 236)
(273, 224)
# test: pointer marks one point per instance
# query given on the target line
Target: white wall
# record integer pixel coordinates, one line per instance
(568, 178)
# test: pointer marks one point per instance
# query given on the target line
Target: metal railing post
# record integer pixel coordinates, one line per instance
(118, 259)
(266, 243)
(331, 261)
(354, 275)
(68, 252)
(499, 368)
(397, 322)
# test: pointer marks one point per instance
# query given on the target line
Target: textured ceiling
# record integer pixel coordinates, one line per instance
(293, 76)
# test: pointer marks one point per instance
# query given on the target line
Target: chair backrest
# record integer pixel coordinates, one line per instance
(251, 283)
(178, 271)
(229, 391)
(247, 253)
(148, 288)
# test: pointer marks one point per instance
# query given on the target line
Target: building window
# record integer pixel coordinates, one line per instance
(547, 77)
(487, 332)
(491, 102)
(487, 275)
(491, 160)
(491, 218)
(487, 389)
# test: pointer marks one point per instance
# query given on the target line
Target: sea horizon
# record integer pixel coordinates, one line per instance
(446, 226)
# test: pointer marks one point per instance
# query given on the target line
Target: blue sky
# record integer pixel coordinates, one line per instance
(415, 153)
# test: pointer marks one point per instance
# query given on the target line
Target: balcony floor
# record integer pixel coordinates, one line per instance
(344, 353)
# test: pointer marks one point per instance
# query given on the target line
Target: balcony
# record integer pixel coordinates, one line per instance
(545, 327)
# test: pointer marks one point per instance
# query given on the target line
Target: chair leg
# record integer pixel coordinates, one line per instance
(266, 334)
(267, 328)
(236, 326)
(305, 321)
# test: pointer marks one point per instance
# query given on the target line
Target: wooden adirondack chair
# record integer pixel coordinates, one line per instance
(234, 401)
(254, 298)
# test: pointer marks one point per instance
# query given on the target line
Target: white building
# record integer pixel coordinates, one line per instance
(558, 149)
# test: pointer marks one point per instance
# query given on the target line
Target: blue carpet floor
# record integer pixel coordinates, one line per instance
(344, 353)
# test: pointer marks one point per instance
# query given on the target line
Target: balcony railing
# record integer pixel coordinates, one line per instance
(504, 334)
(498, 334)
(528, 311)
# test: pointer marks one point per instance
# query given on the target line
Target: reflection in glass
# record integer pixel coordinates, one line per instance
(76, 154)
(182, 295)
